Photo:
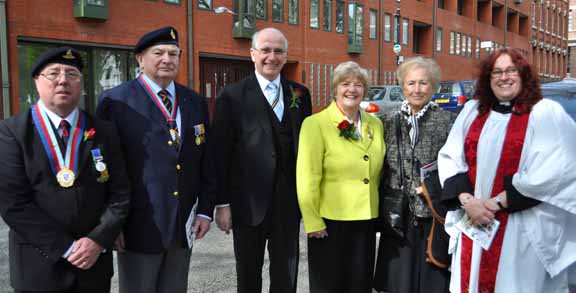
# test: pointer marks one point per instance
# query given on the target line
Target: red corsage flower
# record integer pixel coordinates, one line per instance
(348, 130)
(89, 134)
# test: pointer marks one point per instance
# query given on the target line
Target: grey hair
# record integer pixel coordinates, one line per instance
(256, 34)
(346, 70)
(428, 64)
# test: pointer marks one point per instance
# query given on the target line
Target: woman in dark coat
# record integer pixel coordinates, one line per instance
(402, 265)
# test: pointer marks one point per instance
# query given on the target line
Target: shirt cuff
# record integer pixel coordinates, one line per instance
(224, 205)
(205, 217)
(69, 250)
(453, 186)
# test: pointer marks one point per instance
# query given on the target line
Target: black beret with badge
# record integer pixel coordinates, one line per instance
(163, 36)
(61, 55)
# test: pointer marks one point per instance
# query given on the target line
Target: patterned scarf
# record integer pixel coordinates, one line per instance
(412, 120)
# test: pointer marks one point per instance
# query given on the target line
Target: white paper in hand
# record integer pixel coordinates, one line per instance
(190, 233)
(482, 235)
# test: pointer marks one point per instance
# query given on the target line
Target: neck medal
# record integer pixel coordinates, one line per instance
(65, 167)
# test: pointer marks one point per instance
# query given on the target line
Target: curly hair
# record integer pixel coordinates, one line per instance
(530, 93)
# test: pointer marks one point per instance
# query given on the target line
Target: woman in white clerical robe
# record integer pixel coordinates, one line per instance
(511, 157)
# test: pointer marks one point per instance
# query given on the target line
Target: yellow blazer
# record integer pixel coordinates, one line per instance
(338, 178)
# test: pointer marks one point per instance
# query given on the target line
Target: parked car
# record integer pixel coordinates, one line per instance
(451, 95)
(563, 92)
(387, 98)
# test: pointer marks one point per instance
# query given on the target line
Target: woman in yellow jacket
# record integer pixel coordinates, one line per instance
(340, 157)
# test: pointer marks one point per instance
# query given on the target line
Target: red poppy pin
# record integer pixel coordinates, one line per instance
(89, 134)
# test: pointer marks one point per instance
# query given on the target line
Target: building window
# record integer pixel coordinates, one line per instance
(387, 28)
(457, 43)
(396, 33)
(314, 13)
(534, 13)
(570, 21)
(470, 46)
(207, 4)
(441, 4)
(339, 16)
(293, 6)
(167, 1)
(278, 10)
(104, 69)
(451, 42)
(373, 25)
(261, 9)
(477, 48)
(327, 20)
(101, 2)
(546, 20)
(552, 19)
(405, 28)
(439, 40)
(355, 26)
(312, 81)
(540, 13)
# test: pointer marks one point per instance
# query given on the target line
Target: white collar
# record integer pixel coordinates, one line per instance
(171, 88)
(55, 119)
(263, 82)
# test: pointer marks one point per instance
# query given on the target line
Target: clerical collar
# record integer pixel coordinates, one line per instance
(504, 107)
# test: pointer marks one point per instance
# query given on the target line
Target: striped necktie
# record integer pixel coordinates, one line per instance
(273, 96)
(163, 94)
(65, 129)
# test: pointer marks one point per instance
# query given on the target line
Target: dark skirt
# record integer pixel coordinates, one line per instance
(401, 265)
(343, 261)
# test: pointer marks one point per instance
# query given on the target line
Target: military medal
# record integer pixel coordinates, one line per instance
(64, 167)
(199, 132)
(169, 116)
(65, 177)
(99, 165)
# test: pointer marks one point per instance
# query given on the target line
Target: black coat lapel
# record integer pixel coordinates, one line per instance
(256, 102)
(145, 106)
(293, 109)
(83, 155)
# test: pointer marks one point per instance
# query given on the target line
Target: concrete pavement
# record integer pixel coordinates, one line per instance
(212, 266)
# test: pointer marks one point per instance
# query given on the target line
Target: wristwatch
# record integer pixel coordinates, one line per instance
(498, 201)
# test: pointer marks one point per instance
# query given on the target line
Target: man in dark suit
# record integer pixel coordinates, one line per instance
(162, 128)
(64, 191)
(255, 139)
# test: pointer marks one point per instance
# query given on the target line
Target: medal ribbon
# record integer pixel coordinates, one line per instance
(50, 143)
(170, 117)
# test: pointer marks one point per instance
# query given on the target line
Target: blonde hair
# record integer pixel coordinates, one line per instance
(346, 70)
(428, 64)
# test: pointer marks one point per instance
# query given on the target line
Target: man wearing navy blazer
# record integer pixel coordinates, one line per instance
(255, 138)
(64, 192)
(162, 127)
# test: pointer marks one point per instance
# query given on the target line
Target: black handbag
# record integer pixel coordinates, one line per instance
(395, 201)
(438, 240)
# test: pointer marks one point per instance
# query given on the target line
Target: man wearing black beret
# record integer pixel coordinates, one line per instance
(64, 192)
(162, 128)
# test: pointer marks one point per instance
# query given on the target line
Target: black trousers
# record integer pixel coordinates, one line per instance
(279, 231)
(343, 261)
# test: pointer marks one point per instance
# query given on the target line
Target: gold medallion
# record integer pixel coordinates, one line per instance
(65, 177)
(198, 140)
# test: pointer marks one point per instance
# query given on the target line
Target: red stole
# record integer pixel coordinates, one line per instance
(507, 166)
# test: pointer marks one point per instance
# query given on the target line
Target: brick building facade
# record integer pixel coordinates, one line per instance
(321, 34)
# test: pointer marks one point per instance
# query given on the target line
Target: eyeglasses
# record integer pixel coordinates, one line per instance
(268, 51)
(510, 71)
(68, 75)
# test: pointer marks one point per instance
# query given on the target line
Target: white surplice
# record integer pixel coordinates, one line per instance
(539, 243)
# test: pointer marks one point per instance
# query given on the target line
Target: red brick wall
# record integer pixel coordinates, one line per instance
(127, 22)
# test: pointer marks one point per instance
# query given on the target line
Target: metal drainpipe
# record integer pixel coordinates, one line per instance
(434, 29)
(190, 45)
(505, 22)
(380, 42)
(5, 73)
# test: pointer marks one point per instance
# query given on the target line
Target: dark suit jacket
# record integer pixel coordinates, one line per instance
(152, 164)
(44, 218)
(245, 148)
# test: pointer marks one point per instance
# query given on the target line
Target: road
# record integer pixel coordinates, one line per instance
(212, 266)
